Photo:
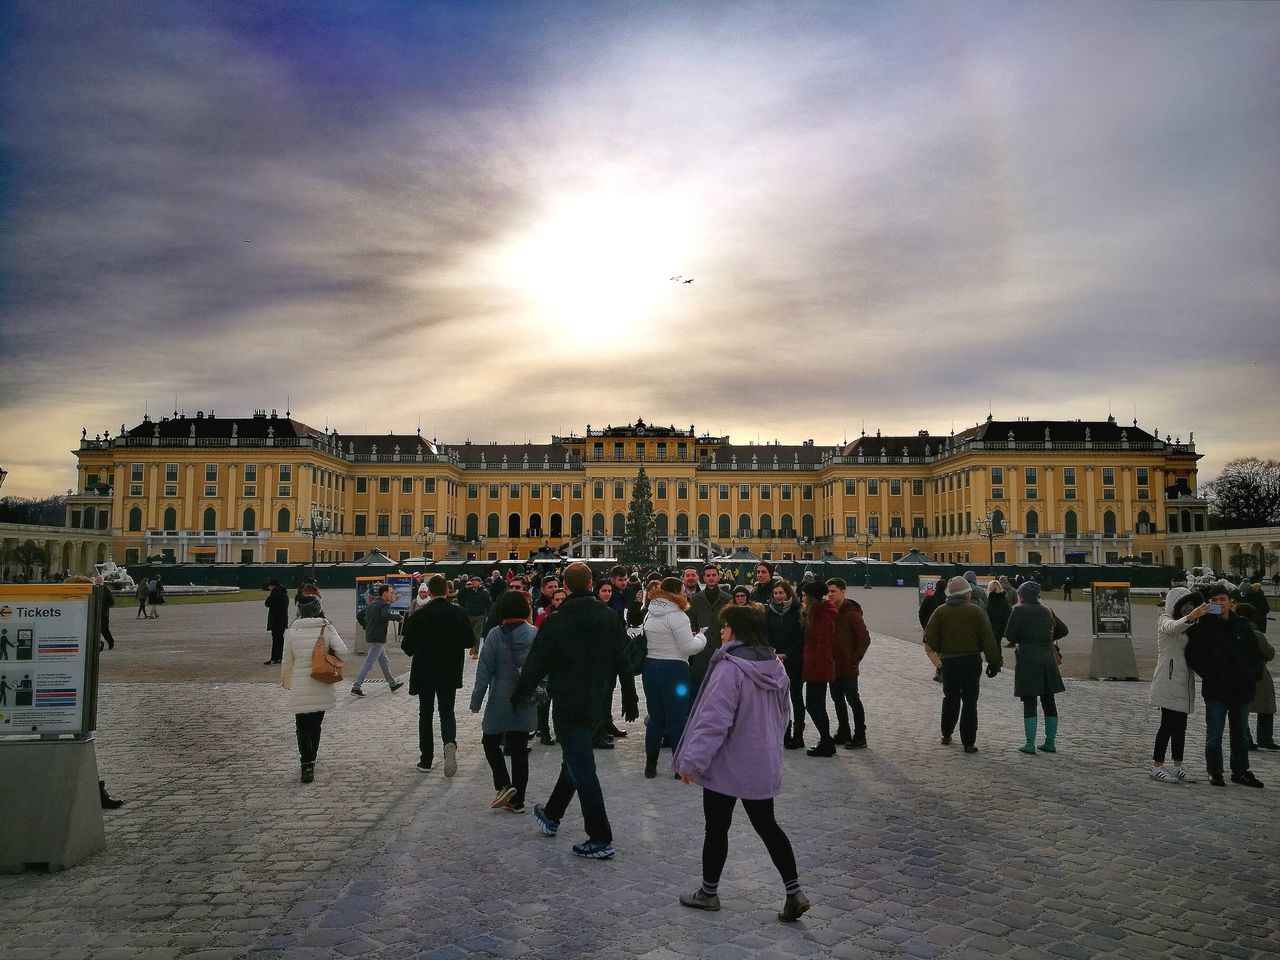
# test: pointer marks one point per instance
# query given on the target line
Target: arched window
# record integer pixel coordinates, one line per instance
(249, 520)
(513, 525)
(619, 525)
(492, 526)
(1144, 522)
(210, 521)
(682, 524)
(535, 524)
(1109, 523)
(744, 525)
(723, 524)
(556, 524)
(597, 524)
(806, 525)
(704, 526)
(575, 525)
(766, 525)
(90, 517)
(1033, 523)
(997, 521)
(1070, 525)
(170, 519)
(135, 520)
(283, 524)
(661, 525)
(1186, 521)
(786, 526)
(473, 526)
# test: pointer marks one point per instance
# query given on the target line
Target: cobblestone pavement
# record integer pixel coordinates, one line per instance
(906, 849)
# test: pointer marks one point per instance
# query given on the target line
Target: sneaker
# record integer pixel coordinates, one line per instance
(450, 759)
(514, 807)
(502, 798)
(423, 765)
(857, 743)
(357, 692)
(701, 901)
(1183, 776)
(794, 908)
(1163, 775)
(396, 686)
(1246, 779)
(592, 850)
(546, 826)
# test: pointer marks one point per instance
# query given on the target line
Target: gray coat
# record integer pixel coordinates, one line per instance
(503, 654)
(1264, 694)
(1031, 630)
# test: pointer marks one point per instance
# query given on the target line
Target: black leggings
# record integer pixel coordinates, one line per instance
(717, 808)
(1172, 733)
(307, 726)
(1046, 701)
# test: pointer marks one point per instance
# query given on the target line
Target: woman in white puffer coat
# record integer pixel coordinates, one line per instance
(309, 698)
(670, 642)
(1173, 686)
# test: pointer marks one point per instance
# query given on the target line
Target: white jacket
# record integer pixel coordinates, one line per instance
(667, 631)
(1173, 685)
(309, 696)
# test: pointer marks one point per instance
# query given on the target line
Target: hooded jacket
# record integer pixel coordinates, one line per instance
(506, 647)
(732, 743)
(307, 695)
(852, 639)
(1225, 653)
(277, 604)
(667, 632)
(1172, 685)
(819, 643)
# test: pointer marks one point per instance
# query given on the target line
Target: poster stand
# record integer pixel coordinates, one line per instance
(1111, 656)
(48, 713)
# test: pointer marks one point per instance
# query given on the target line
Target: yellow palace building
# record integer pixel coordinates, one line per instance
(232, 490)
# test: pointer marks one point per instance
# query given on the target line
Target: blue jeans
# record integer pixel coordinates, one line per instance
(1217, 715)
(666, 697)
(578, 775)
(431, 696)
(377, 654)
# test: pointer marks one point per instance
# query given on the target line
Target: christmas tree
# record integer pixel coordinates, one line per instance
(640, 546)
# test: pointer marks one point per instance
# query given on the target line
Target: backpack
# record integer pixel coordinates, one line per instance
(360, 618)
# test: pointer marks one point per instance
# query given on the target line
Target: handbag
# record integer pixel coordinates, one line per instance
(326, 666)
(1057, 650)
(538, 695)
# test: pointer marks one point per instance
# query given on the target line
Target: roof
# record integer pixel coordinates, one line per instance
(917, 445)
(1064, 431)
(258, 426)
(786, 453)
(514, 452)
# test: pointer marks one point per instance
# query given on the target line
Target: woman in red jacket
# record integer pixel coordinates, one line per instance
(819, 619)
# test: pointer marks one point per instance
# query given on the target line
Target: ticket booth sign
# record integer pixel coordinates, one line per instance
(48, 658)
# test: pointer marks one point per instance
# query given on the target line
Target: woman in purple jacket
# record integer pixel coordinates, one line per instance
(732, 746)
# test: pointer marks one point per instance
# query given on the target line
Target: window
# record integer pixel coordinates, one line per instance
(682, 450)
(250, 473)
(704, 491)
(513, 491)
(917, 488)
(662, 490)
(786, 491)
(724, 491)
(744, 525)
(1068, 476)
(210, 489)
(895, 488)
(535, 491)
(361, 524)
(597, 489)
(170, 473)
(1144, 522)
(618, 490)
(1033, 523)
(1109, 524)
(617, 450)
(704, 526)
(997, 476)
(575, 525)
(282, 554)
(1144, 476)
(873, 525)
(249, 520)
(662, 450)
(1108, 476)
(744, 491)
(135, 519)
(1144, 493)
(210, 473)
(850, 487)
(250, 490)
(282, 490)
(765, 491)
(1070, 524)
(557, 491)
(362, 483)
(1000, 557)
(135, 490)
(873, 488)
(1029, 476)
(406, 484)
(492, 525)
(682, 489)
(384, 525)
(1032, 493)
(851, 526)
(640, 450)
(997, 493)
(493, 491)
(406, 524)
(209, 521)
(473, 491)
(619, 525)
(722, 526)
(1069, 493)
(135, 473)
(806, 491)
(384, 484)
(1108, 493)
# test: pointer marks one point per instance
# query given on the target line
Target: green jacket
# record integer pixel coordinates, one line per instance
(961, 630)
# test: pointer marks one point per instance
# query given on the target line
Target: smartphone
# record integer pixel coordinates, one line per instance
(1215, 608)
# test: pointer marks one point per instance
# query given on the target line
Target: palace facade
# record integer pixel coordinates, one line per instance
(232, 490)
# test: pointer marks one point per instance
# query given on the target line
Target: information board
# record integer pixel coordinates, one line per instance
(48, 658)
(1112, 614)
(925, 584)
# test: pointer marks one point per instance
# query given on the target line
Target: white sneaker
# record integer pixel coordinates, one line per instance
(1183, 776)
(450, 759)
(1163, 775)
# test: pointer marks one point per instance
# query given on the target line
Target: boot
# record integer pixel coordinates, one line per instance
(308, 772)
(108, 802)
(1050, 734)
(825, 748)
(651, 766)
(842, 735)
(1029, 726)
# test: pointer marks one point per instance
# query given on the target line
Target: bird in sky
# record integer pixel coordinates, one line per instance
(248, 241)
(690, 280)
(676, 277)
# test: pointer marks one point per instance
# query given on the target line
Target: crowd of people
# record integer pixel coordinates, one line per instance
(732, 675)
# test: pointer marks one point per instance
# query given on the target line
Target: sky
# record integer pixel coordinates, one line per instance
(897, 216)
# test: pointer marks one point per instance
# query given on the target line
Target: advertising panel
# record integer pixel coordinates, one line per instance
(48, 649)
(1112, 614)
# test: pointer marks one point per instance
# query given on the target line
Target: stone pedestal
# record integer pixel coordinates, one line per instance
(1111, 658)
(50, 808)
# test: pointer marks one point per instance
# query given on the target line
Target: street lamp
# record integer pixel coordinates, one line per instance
(313, 527)
(426, 537)
(987, 528)
(866, 540)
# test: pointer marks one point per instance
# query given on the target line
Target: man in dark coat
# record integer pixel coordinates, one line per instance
(578, 650)
(762, 591)
(277, 604)
(704, 614)
(437, 637)
(852, 642)
(929, 604)
(475, 600)
(1223, 650)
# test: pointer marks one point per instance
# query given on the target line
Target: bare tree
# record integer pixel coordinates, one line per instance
(1246, 493)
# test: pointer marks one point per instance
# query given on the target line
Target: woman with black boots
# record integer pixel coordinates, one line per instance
(819, 618)
(309, 698)
(670, 642)
(786, 635)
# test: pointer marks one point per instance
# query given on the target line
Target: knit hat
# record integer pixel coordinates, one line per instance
(814, 589)
(747, 593)
(971, 577)
(958, 585)
(309, 608)
(1030, 590)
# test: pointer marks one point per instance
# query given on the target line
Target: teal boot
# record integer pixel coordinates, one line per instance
(1029, 725)
(1050, 734)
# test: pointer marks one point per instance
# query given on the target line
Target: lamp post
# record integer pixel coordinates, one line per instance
(314, 526)
(866, 540)
(425, 537)
(987, 528)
